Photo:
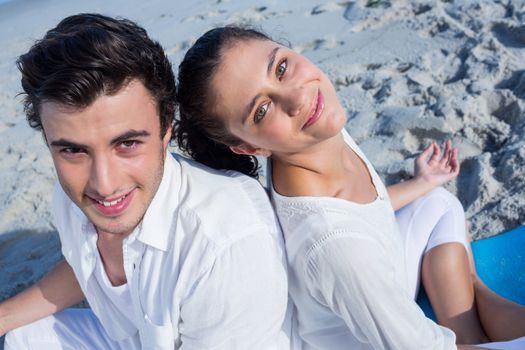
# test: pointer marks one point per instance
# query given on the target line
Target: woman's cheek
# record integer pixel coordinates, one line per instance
(275, 131)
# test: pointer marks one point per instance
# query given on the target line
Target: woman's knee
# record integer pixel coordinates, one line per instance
(451, 225)
(442, 200)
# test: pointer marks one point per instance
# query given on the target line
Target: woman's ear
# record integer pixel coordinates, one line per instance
(246, 149)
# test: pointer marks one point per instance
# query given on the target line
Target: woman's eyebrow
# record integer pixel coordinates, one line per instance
(271, 60)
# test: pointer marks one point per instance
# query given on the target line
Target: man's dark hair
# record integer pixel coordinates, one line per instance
(89, 55)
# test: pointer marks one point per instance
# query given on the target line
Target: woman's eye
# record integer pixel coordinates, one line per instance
(260, 113)
(281, 69)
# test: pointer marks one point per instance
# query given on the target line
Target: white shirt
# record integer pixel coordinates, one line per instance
(205, 268)
(120, 296)
(347, 274)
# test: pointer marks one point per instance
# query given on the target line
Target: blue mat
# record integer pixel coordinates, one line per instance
(500, 263)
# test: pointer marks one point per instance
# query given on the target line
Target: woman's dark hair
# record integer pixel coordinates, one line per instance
(88, 55)
(199, 131)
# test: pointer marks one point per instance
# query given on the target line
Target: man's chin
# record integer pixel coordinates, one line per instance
(116, 226)
(122, 224)
(122, 229)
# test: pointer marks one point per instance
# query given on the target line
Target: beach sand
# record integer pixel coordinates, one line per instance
(408, 72)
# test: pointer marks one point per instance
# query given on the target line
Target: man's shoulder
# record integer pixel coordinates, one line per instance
(195, 168)
(199, 181)
(226, 204)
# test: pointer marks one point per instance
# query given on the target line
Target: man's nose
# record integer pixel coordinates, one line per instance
(103, 179)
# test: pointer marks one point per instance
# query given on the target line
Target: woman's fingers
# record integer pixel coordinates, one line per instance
(445, 160)
(434, 161)
(437, 152)
(454, 162)
(426, 152)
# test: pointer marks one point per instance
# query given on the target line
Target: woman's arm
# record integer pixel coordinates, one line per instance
(431, 170)
(56, 291)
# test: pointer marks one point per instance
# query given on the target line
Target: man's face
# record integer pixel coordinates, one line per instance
(109, 156)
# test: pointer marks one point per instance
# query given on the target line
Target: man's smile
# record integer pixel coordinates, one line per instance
(113, 206)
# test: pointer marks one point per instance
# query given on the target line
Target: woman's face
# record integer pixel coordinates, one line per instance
(274, 99)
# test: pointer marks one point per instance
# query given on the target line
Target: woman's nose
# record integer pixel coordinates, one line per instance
(295, 100)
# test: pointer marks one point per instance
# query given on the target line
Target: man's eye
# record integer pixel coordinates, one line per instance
(128, 144)
(260, 113)
(281, 69)
(71, 150)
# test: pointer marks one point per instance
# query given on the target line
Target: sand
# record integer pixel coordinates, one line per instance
(408, 72)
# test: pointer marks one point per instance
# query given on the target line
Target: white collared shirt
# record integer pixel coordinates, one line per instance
(347, 275)
(206, 266)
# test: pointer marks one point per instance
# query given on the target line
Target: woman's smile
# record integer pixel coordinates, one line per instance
(317, 110)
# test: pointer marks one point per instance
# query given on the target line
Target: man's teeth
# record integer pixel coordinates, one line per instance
(112, 203)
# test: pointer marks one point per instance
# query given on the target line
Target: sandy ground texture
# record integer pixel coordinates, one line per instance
(407, 72)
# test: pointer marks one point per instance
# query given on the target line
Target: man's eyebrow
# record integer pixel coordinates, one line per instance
(130, 134)
(271, 61)
(67, 143)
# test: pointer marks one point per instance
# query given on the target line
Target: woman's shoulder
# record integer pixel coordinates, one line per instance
(296, 182)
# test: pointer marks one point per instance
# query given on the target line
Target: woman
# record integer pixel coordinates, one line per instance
(353, 273)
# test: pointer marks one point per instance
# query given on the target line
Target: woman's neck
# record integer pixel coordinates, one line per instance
(315, 171)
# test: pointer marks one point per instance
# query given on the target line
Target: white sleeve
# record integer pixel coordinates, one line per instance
(352, 275)
(240, 302)
(57, 206)
(60, 211)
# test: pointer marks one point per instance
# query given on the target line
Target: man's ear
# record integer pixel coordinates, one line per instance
(249, 150)
(166, 140)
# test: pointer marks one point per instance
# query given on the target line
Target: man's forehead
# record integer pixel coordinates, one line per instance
(132, 84)
(108, 117)
(49, 108)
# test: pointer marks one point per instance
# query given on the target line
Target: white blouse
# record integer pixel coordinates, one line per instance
(347, 274)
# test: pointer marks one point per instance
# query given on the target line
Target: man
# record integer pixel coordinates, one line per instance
(168, 253)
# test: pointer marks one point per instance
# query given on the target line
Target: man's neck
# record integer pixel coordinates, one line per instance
(109, 246)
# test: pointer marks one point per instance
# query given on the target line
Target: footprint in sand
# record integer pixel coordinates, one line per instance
(204, 17)
(503, 105)
(516, 83)
(181, 46)
(329, 7)
(255, 15)
(319, 44)
(509, 35)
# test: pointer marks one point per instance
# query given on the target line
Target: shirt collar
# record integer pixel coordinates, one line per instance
(158, 220)
(155, 227)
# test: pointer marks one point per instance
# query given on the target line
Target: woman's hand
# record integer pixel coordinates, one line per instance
(432, 169)
(437, 168)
